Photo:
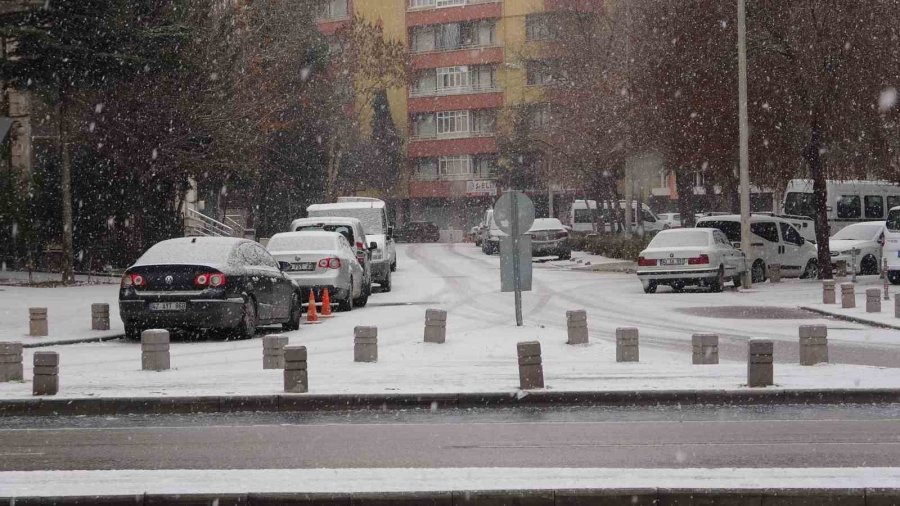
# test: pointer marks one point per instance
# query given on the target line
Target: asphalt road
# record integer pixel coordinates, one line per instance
(783, 436)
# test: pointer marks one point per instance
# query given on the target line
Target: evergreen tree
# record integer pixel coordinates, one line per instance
(387, 147)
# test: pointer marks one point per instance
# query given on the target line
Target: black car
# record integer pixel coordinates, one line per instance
(207, 283)
(418, 231)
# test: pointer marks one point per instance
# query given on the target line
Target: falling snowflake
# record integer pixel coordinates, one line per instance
(887, 100)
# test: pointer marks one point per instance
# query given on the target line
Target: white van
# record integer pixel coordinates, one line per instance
(581, 216)
(847, 201)
(373, 215)
(774, 241)
(891, 252)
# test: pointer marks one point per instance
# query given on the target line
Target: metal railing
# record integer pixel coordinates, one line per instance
(459, 90)
(198, 224)
(459, 47)
(440, 4)
(451, 136)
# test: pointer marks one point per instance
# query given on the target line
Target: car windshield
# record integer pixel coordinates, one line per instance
(302, 242)
(371, 217)
(680, 239)
(187, 251)
(344, 230)
(799, 204)
(859, 232)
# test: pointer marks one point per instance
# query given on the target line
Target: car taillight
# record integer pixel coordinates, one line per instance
(360, 246)
(562, 234)
(211, 279)
(646, 262)
(135, 280)
(330, 263)
(700, 260)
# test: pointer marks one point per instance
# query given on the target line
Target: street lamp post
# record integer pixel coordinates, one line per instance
(744, 138)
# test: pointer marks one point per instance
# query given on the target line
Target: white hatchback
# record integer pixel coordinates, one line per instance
(690, 256)
(867, 239)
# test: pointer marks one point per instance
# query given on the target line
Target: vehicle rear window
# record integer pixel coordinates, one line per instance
(874, 206)
(893, 201)
(768, 231)
(680, 239)
(185, 251)
(731, 229)
(848, 206)
(302, 242)
(341, 229)
(799, 204)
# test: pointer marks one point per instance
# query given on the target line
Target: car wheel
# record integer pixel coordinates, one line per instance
(894, 277)
(566, 256)
(737, 280)
(650, 287)
(249, 320)
(386, 284)
(718, 283)
(394, 266)
(362, 300)
(758, 271)
(133, 331)
(811, 271)
(346, 305)
(296, 313)
(869, 265)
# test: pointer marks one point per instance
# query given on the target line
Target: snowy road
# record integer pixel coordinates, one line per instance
(757, 437)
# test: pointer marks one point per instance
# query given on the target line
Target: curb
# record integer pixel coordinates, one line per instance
(852, 319)
(383, 402)
(537, 497)
(74, 341)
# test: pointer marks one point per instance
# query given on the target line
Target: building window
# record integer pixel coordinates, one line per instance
(334, 9)
(541, 117)
(452, 36)
(455, 167)
(453, 123)
(419, 4)
(455, 80)
(538, 27)
(426, 82)
(423, 125)
(485, 167)
(453, 77)
(538, 73)
(426, 169)
(422, 39)
(483, 77)
(450, 3)
(484, 121)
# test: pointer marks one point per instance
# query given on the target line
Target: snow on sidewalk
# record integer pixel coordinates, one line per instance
(241, 481)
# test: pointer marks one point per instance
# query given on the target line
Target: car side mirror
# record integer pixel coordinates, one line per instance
(285, 266)
(373, 245)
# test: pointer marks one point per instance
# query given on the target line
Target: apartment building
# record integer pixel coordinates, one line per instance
(471, 58)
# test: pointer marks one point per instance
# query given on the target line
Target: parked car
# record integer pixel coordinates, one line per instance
(891, 252)
(550, 238)
(418, 231)
(490, 242)
(484, 228)
(373, 215)
(775, 241)
(690, 256)
(207, 283)
(867, 238)
(319, 260)
(670, 220)
(352, 230)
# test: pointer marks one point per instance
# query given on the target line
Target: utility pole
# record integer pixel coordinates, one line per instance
(744, 137)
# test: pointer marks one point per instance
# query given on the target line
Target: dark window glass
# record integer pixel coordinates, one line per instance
(874, 206)
(768, 231)
(848, 206)
(893, 201)
(790, 235)
(893, 221)
(731, 229)
(799, 204)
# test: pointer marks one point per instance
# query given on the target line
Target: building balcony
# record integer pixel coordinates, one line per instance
(470, 144)
(467, 187)
(465, 55)
(443, 11)
(461, 90)
(477, 100)
(330, 26)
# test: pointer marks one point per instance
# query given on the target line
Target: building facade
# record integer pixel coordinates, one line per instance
(470, 60)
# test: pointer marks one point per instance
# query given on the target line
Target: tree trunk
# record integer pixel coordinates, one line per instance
(813, 157)
(684, 185)
(66, 190)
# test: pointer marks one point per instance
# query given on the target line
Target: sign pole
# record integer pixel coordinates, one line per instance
(517, 276)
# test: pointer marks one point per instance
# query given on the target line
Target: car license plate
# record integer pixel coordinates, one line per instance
(168, 306)
(671, 261)
(303, 266)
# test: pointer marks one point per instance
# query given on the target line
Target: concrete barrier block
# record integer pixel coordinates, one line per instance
(155, 336)
(370, 332)
(705, 349)
(49, 358)
(435, 315)
(11, 366)
(296, 376)
(576, 326)
(774, 272)
(760, 371)
(627, 346)
(848, 295)
(531, 371)
(46, 373)
(156, 361)
(273, 351)
(828, 294)
(155, 350)
(99, 316)
(873, 300)
(37, 322)
(435, 326)
(528, 348)
(365, 344)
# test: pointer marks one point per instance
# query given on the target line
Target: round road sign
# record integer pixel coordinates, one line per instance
(503, 212)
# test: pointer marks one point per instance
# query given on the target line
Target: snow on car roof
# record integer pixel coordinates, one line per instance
(346, 205)
(547, 224)
(190, 250)
(298, 241)
(325, 219)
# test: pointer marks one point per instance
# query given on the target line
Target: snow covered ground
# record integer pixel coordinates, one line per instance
(480, 352)
(238, 481)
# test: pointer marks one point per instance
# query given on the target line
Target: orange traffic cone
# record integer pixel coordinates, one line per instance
(311, 315)
(326, 304)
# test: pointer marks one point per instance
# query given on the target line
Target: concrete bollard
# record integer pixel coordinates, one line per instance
(11, 362)
(99, 316)
(576, 323)
(435, 326)
(828, 296)
(37, 319)
(705, 349)
(774, 272)
(627, 345)
(365, 344)
(531, 370)
(46, 373)
(296, 378)
(848, 296)
(759, 363)
(155, 350)
(273, 351)
(813, 344)
(897, 306)
(873, 300)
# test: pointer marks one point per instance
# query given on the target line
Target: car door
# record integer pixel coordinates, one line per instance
(259, 284)
(765, 242)
(279, 285)
(726, 251)
(792, 258)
